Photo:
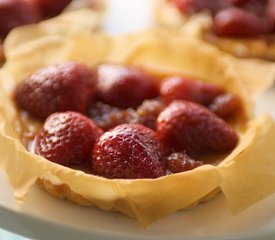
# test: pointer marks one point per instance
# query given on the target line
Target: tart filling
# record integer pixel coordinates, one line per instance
(161, 56)
(140, 126)
(244, 29)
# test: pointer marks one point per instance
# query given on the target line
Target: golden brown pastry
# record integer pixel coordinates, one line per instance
(162, 55)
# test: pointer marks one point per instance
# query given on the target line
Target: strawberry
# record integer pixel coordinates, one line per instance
(124, 86)
(61, 87)
(270, 12)
(50, 8)
(128, 151)
(179, 88)
(240, 23)
(225, 106)
(194, 6)
(181, 162)
(15, 13)
(238, 2)
(190, 127)
(67, 138)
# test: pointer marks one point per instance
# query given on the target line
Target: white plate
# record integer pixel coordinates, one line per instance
(47, 218)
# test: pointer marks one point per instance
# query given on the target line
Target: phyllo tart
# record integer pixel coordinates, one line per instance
(144, 124)
(243, 28)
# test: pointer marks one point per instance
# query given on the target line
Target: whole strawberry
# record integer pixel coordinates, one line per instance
(240, 23)
(181, 162)
(128, 151)
(179, 88)
(61, 87)
(50, 8)
(67, 138)
(124, 86)
(225, 105)
(14, 13)
(190, 127)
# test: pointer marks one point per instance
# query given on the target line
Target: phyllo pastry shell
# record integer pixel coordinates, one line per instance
(245, 176)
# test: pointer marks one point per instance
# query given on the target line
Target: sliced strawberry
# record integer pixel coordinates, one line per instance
(67, 138)
(128, 151)
(190, 127)
(61, 87)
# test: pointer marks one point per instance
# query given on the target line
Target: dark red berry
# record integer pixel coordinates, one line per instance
(128, 151)
(179, 88)
(270, 12)
(181, 162)
(61, 87)
(190, 127)
(225, 105)
(67, 138)
(255, 6)
(51, 8)
(187, 6)
(123, 86)
(194, 6)
(15, 13)
(237, 2)
(236, 22)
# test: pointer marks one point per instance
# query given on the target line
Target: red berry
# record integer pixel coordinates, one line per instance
(270, 12)
(128, 151)
(67, 138)
(193, 6)
(179, 88)
(237, 2)
(57, 88)
(15, 13)
(180, 162)
(236, 22)
(51, 8)
(254, 6)
(123, 86)
(190, 127)
(225, 105)
(186, 6)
